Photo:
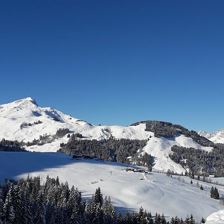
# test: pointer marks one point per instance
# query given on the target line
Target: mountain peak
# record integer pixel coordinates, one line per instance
(24, 102)
(27, 99)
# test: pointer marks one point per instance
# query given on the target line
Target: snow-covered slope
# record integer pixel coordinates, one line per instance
(160, 148)
(216, 218)
(24, 120)
(128, 190)
(14, 116)
(46, 121)
(216, 137)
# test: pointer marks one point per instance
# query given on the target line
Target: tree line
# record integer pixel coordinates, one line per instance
(200, 162)
(11, 146)
(169, 130)
(27, 201)
(115, 150)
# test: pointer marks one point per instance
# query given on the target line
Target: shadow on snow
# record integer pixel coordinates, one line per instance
(13, 164)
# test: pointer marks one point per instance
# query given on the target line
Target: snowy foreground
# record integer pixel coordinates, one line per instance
(216, 218)
(128, 190)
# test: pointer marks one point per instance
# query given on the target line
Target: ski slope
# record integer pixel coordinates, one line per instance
(128, 190)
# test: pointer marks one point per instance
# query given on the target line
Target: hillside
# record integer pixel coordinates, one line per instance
(118, 150)
(44, 129)
(216, 137)
(128, 190)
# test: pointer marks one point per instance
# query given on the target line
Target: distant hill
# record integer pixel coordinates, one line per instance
(45, 129)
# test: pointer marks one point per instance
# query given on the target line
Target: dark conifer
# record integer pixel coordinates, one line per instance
(98, 198)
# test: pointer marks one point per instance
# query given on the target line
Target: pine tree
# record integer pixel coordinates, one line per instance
(57, 182)
(119, 219)
(90, 211)
(142, 216)
(98, 219)
(163, 220)
(11, 215)
(202, 220)
(175, 220)
(191, 221)
(40, 210)
(214, 193)
(8, 210)
(1, 209)
(150, 218)
(108, 210)
(64, 194)
(74, 205)
(98, 198)
(51, 215)
(172, 221)
(19, 205)
(27, 209)
(128, 218)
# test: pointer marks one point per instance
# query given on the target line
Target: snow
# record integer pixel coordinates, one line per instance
(49, 120)
(161, 149)
(218, 180)
(12, 115)
(216, 137)
(216, 218)
(118, 132)
(155, 192)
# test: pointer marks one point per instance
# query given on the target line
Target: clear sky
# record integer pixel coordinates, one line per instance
(117, 62)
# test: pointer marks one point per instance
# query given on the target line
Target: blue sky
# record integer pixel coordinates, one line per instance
(117, 62)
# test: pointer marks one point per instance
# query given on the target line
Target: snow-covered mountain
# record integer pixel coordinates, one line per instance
(216, 137)
(24, 120)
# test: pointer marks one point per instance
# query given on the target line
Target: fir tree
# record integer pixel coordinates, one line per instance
(8, 210)
(214, 193)
(40, 212)
(108, 210)
(202, 220)
(1, 208)
(98, 198)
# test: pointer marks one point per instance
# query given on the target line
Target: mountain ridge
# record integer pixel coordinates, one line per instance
(23, 120)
